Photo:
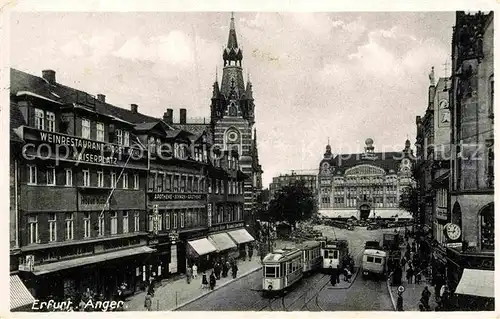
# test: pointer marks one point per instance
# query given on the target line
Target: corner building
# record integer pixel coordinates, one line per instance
(364, 185)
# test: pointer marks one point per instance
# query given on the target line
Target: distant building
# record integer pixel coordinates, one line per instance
(364, 185)
(309, 178)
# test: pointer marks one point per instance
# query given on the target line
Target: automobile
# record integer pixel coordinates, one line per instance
(372, 227)
(391, 225)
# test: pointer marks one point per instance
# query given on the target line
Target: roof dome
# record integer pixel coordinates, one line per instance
(328, 148)
(369, 142)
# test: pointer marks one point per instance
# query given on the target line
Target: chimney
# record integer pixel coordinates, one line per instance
(168, 116)
(182, 116)
(133, 108)
(101, 98)
(49, 76)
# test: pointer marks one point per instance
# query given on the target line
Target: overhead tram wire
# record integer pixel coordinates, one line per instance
(114, 186)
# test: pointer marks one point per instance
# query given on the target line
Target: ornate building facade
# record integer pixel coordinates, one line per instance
(364, 185)
(472, 163)
(233, 117)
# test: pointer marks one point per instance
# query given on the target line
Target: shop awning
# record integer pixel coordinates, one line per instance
(241, 236)
(477, 282)
(338, 213)
(389, 213)
(202, 246)
(52, 267)
(20, 297)
(222, 241)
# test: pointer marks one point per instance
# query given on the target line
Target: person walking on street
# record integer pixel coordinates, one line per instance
(204, 281)
(189, 274)
(333, 275)
(399, 304)
(217, 270)
(409, 275)
(338, 272)
(212, 281)
(426, 295)
(224, 268)
(250, 252)
(418, 276)
(148, 302)
(234, 270)
(348, 275)
(195, 271)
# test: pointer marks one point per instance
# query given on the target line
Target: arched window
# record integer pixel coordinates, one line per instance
(487, 227)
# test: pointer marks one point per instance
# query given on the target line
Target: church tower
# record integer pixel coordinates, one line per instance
(232, 117)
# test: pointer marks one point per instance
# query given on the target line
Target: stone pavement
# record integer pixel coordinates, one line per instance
(413, 291)
(172, 293)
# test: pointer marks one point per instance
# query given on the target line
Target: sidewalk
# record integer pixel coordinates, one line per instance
(412, 293)
(172, 293)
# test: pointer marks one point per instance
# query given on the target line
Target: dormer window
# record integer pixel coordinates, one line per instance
(152, 145)
(39, 119)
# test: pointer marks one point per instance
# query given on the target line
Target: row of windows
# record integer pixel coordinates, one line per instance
(166, 181)
(45, 120)
(224, 214)
(69, 219)
(177, 218)
(50, 178)
(233, 187)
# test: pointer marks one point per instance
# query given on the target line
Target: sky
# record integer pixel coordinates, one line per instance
(334, 76)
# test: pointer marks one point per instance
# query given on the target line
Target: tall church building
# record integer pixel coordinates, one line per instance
(233, 116)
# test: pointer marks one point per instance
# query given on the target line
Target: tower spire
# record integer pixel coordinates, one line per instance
(232, 42)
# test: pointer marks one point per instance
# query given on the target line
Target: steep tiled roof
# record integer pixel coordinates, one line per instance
(388, 161)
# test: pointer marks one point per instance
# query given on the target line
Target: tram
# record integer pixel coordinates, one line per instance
(333, 252)
(282, 268)
(311, 256)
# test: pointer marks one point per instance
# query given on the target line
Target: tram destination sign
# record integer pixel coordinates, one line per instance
(176, 196)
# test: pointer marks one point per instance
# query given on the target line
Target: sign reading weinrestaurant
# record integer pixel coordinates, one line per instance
(80, 148)
(176, 196)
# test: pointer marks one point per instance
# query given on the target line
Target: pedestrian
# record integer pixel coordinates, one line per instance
(151, 289)
(426, 295)
(148, 302)
(217, 270)
(409, 275)
(212, 281)
(234, 270)
(333, 276)
(204, 281)
(189, 274)
(348, 275)
(81, 305)
(250, 251)
(338, 272)
(195, 271)
(225, 268)
(418, 277)
(399, 304)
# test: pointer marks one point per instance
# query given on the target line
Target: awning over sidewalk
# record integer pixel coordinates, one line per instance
(477, 282)
(389, 213)
(222, 241)
(241, 236)
(20, 297)
(202, 246)
(52, 267)
(338, 213)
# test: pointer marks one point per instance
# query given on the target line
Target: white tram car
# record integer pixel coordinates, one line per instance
(282, 268)
(311, 254)
(333, 252)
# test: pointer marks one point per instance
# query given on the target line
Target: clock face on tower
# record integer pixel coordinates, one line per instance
(453, 231)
